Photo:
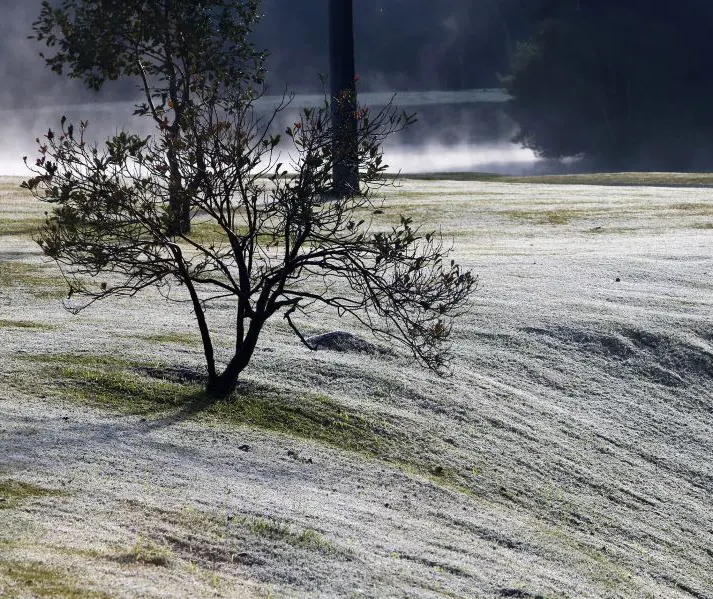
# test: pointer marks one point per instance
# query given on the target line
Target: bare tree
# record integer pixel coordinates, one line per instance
(268, 235)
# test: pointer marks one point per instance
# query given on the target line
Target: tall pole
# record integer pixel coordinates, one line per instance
(345, 176)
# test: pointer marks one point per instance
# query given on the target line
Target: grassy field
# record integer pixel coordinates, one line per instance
(618, 179)
(569, 455)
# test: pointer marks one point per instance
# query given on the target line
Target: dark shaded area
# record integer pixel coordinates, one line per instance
(342, 79)
(624, 85)
(519, 594)
(401, 44)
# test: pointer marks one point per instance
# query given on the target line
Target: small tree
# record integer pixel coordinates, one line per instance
(164, 45)
(271, 239)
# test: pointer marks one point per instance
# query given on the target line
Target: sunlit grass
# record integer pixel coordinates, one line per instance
(625, 179)
(13, 493)
(25, 227)
(30, 579)
(545, 217)
(177, 338)
(26, 325)
(42, 282)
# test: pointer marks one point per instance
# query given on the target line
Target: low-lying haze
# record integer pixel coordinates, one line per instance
(449, 136)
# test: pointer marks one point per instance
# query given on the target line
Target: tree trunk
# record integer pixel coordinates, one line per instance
(345, 177)
(178, 202)
(222, 385)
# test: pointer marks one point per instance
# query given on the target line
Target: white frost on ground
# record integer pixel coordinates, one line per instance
(579, 420)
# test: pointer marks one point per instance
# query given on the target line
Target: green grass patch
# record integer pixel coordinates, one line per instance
(694, 208)
(315, 417)
(146, 551)
(13, 492)
(122, 390)
(271, 529)
(155, 390)
(34, 279)
(178, 338)
(37, 580)
(25, 324)
(454, 176)
(107, 381)
(617, 179)
(48, 549)
(544, 217)
(209, 233)
(210, 528)
(20, 226)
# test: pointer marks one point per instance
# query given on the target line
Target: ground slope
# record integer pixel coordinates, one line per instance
(569, 456)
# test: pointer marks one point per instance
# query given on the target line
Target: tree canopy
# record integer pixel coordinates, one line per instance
(170, 48)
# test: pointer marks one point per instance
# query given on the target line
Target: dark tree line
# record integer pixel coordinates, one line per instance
(401, 44)
(626, 85)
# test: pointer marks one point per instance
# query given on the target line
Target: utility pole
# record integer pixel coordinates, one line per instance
(343, 98)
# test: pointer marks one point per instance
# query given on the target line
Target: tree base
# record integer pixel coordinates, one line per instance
(221, 387)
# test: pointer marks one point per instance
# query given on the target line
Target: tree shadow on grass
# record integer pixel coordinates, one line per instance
(196, 400)
(307, 415)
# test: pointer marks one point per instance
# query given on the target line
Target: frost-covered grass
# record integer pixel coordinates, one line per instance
(616, 179)
(568, 456)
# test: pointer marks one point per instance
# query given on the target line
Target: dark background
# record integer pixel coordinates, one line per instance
(401, 45)
(620, 84)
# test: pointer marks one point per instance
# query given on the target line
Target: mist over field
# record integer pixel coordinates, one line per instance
(449, 135)
(446, 139)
